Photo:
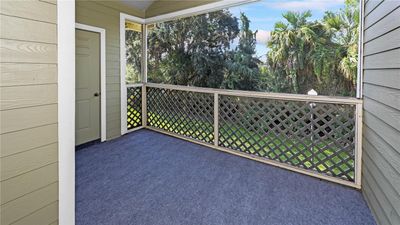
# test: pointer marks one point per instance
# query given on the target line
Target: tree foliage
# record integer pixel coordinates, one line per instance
(219, 50)
(192, 51)
(321, 55)
(133, 46)
(242, 70)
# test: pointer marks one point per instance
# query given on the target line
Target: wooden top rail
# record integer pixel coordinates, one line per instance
(258, 94)
(134, 85)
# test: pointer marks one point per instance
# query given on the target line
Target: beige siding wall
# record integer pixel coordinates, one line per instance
(28, 112)
(381, 141)
(106, 16)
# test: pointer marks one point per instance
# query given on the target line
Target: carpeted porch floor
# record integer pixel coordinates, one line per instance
(147, 178)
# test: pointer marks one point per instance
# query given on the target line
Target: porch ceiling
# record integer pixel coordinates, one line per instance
(160, 7)
(152, 8)
(141, 4)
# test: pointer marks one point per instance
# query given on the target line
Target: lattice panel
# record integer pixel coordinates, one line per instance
(134, 114)
(313, 136)
(182, 112)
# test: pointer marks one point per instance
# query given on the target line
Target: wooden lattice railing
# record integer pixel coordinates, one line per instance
(315, 135)
(134, 106)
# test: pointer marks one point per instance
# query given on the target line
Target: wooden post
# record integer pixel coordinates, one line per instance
(144, 54)
(144, 105)
(358, 144)
(312, 92)
(216, 115)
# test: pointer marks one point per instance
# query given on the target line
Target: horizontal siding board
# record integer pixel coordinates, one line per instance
(383, 171)
(387, 152)
(27, 204)
(385, 77)
(113, 87)
(121, 8)
(389, 134)
(389, 115)
(113, 133)
(21, 185)
(387, 96)
(94, 7)
(386, 42)
(27, 96)
(15, 165)
(12, 51)
(385, 60)
(391, 205)
(15, 74)
(20, 141)
(54, 223)
(16, 28)
(384, 9)
(46, 215)
(25, 118)
(34, 10)
(115, 110)
(383, 26)
(371, 5)
(373, 203)
(50, 1)
(114, 95)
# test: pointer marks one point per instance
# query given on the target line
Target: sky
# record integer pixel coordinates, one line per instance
(265, 13)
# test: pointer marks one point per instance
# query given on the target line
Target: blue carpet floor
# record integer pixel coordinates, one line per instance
(147, 178)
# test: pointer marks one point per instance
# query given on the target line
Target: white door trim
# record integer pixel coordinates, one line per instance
(122, 18)
(102, 74)
(122, 65)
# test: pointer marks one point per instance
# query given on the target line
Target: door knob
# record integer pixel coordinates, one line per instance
(96, 94)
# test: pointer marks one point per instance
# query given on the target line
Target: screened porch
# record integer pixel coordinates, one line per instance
(198, 155)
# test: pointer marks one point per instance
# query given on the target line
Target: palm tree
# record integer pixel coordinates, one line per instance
(291, 47)
(344, 28)
(322, 55)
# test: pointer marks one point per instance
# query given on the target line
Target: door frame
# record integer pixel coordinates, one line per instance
(123, 17)
(102, 33)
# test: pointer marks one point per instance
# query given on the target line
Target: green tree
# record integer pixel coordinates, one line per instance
(321, 55)
(344, 29)
(291, 48)
(303, 54)
(193, 50)
(242, 72)
(133, 43)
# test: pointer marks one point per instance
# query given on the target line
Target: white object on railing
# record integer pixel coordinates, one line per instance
(312, 92)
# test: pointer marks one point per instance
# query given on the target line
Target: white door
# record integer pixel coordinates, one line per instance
(87, 99)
